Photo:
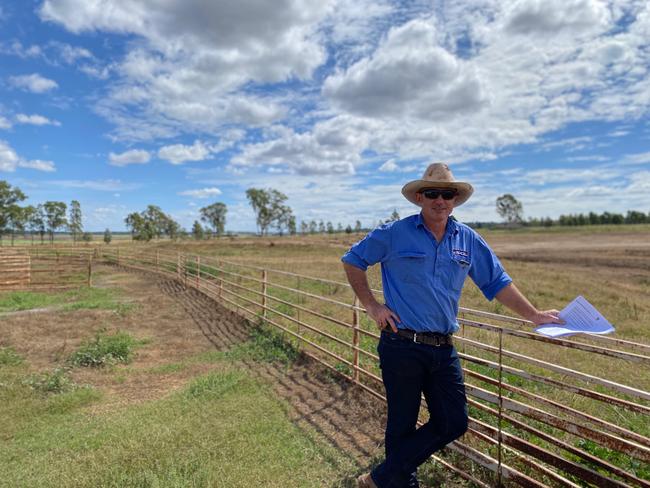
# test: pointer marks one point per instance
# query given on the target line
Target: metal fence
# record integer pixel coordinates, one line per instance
(543, 412)
(44, 268)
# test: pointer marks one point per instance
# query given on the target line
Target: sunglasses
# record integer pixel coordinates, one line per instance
(445, 194)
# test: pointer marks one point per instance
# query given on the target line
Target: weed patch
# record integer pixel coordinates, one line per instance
(105, 349)
(9, 357)
(57, 381)
(215, 385)
(26, 300)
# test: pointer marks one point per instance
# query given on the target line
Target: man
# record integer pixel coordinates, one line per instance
(425, 259)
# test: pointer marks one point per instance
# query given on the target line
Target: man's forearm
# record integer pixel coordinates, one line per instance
(359, 283)
(512, 298)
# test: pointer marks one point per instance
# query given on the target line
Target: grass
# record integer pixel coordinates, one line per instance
(105, 349)
(84, 298)
(9, 357)
(223, 429)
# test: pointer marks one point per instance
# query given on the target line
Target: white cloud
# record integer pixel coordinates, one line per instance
(181, 153)
(35, 119)
(38, 164)
(202, 193)
(639, 158)
(4, 123)
(97, 185)
(34, 83)
(133, 156)
(389, 166)
(10, 160)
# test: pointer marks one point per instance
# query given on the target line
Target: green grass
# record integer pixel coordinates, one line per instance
(264, 345)
(223, 429)
(9, 357)
(105, 349)
(83, 298)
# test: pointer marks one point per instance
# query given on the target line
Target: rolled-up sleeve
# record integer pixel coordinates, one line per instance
(487, 271)
(370, 250)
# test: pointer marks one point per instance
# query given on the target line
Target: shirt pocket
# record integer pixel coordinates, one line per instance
(411, 267)
(454, 270)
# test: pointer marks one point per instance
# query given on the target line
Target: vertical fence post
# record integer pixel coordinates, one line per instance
(499, 445)
(90, 271)
(355, 338)
(198, 271)
(264, 290)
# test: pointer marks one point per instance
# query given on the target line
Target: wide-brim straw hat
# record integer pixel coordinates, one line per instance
(438, 175)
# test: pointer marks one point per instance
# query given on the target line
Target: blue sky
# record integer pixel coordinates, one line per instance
(124, 103)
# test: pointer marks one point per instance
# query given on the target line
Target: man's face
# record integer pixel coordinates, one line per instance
(436, 209)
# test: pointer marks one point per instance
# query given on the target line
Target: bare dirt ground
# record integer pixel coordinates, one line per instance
(178, 323)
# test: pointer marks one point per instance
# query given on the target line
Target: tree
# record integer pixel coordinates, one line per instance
(215, 216)
(321, 227)
(151, 223)
(394, 216)
(74, 220)
(357, 226)
(9, 197)
(87, 237)
(509, 208)
(269, 209)
(135, 223)
(330, 228)
(292, 225)
(348, 229)
(54, 216)
(197, 231)
(108, 237)
(312, 227)
(37, 221)
(304, 227)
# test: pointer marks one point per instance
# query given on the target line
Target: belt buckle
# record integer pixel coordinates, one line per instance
(415, 337)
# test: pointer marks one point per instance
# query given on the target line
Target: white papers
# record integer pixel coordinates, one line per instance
(580, 317)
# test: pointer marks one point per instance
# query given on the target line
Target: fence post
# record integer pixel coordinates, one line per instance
(90, 271)
(264, 290)
(355, 337)
(499, 445)
(198, 271)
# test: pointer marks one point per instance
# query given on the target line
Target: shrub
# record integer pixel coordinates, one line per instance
(57, 381)
(105, 349)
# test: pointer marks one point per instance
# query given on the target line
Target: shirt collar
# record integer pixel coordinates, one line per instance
(451, 228)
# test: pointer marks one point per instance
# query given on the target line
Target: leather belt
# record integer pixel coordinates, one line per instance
(428, 338)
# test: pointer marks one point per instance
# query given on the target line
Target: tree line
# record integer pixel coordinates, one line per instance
(44, 218)
(512, 211)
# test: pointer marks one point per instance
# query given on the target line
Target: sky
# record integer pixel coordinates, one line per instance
(337, 103)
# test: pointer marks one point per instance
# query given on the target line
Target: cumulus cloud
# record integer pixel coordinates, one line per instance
(5, 123)
(35, 119)
(195, 59)
(133, 156)
(97, 185)
(202, 193)
(10, 160)
(181, 153)
(34, 83)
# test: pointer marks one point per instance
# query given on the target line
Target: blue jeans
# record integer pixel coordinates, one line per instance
(409, 370)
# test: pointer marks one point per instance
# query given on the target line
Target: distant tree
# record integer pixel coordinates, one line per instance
(634, 217)
(304, 227)
(108, 237)
(215, 216)
(9, 198)
(135, 223)
(357, 226)
(87, 236)
(282, 219)
(394, 216)
(28, 216)
(348, 229)
(270, 210)
(38, 221)
(17, 221)
(312, 227)
(510, 209)
(75, 225)
(151, 223)
(321, 227)
(291, 226)
(172, 228)
(197, 231)
(54, 216)
(330, 228)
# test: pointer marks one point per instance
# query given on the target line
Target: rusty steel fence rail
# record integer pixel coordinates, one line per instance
(44, 268)
(543, 412)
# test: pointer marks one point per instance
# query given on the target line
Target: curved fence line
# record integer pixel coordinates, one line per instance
(534, 419)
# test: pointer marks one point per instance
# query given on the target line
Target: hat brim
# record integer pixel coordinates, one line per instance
(465, 190)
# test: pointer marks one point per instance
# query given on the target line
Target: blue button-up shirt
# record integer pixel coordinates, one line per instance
(422, 278)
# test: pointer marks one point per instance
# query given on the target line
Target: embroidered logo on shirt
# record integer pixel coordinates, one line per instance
(460, 256)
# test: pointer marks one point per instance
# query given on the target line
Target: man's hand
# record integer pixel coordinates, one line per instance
(546, 317)
(383, 316)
